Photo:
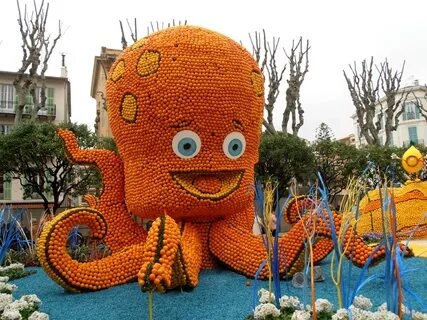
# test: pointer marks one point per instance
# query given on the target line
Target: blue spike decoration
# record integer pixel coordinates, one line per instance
(9, 232)
(255, 287)
(259, 207)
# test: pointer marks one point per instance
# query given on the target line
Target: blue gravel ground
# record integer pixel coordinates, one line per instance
(221, 294)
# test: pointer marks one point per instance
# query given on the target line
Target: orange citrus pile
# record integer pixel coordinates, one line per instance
(410, 203)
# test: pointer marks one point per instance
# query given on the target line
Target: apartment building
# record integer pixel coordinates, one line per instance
(412, 127)
(57, 110)
(101, 66)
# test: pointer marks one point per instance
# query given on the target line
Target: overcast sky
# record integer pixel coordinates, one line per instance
(340, 32)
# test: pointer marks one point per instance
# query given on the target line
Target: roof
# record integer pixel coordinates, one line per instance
(49, 78)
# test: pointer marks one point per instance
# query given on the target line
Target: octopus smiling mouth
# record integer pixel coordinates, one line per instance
(207, 184)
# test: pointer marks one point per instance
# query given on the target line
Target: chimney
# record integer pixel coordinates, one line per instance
(64, 72)
(416, 82)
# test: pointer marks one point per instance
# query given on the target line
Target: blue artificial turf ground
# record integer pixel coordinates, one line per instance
(221, 294)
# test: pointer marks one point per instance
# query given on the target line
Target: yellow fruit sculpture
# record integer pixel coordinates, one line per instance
(410, 201)
(185, 107)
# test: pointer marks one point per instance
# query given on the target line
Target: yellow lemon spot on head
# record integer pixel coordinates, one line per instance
(148, 63)
(412, 160)
(118, 71)
(129, 107)
(258, 83)
(139, 43)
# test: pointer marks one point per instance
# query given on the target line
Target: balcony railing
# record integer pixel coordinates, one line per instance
(9, 107)
(408, 143)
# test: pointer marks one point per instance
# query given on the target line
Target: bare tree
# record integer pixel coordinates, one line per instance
(422, 108)
(394, 98)
(364, 93)
(37, 47)
(364, 89)
(298, 68)
(265, 53)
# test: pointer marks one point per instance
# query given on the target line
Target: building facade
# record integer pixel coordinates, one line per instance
(412, 128)
(101, 66)
(57, 110)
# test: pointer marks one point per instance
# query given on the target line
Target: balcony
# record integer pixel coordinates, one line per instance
(409, 143)
(8, 108)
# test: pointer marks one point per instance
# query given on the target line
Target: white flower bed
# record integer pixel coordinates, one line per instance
(293, 308)
(24, 308)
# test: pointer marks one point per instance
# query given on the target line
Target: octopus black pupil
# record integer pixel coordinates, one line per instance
(187, 146)
(235, 147)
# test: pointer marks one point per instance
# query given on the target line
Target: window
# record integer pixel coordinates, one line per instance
(5, 128)
(413, 135)
(5, 186)
(7, 97)
(50, 95)
(411, 111)
(50, 103)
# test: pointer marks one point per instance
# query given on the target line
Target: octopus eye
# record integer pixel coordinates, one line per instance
(186, 144)
(234, 145)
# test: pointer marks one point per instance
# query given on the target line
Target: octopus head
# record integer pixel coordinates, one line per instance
(185, 107)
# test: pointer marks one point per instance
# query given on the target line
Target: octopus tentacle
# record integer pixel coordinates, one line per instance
(292, 214)
(244, 252)
(191, 246)
(107, 161)
(74, 276)
(159, 255)
(122, 229)
(109, 221)
(232, 243)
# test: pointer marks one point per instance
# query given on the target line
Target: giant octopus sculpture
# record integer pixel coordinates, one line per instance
(185, 107)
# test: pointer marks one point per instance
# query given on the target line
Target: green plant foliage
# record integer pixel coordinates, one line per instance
(336, 162)
(25, 256)
(35, 155)
(27, 312)
(382, 158)
(16, 273)
(283, 157)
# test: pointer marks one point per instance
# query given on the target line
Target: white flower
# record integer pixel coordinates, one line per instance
(38, 316)
(323, 305)
(265, 296)
(6, 287)
(382, 307)
(290, 302)
(362, 302)
(405, 310)
(11, 315)
(360, 314)
(265, 309)
(341, 314)
(4, 279)
(12, 266)
(32, 299)
(17, 305)
(385, 315)
(5, 299)
(419, 316)
(301, 315)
